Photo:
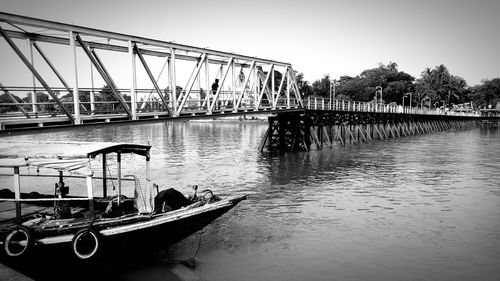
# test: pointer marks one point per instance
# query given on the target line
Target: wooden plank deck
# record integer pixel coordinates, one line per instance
(8, 211)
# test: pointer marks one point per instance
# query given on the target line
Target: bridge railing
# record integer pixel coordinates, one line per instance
(98, 102)
(318, 103)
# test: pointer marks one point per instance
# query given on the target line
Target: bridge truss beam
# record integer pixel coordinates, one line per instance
(247, 83)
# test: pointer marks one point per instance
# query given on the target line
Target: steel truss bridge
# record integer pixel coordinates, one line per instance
(67, 74)
(56, 74)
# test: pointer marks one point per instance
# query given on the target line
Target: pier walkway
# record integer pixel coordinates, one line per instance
(326, 122)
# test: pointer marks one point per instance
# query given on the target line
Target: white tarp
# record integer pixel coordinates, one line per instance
(60, 165)
(54, 150)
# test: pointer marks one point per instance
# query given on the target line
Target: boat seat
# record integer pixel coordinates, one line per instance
(108, 207)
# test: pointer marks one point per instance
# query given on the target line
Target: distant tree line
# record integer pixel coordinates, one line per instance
(104, 101)
(434, 87)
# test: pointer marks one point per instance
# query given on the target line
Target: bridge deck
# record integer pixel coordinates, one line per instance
(12, 124)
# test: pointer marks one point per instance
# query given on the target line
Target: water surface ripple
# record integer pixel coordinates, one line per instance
(416, 208)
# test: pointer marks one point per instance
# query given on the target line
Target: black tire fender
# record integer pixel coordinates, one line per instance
(85, 244)
(18, 242)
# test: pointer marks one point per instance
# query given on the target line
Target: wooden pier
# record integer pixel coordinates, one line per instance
(313, 129)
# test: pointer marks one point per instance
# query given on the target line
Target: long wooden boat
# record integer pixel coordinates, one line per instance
(85, 226)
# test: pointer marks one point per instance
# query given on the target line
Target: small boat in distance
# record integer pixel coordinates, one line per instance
(86, 225)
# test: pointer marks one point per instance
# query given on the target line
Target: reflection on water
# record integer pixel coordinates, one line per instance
(415, 208)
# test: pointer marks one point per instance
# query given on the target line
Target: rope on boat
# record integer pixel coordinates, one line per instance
(191, 262)
(111, 178)
(198, 247)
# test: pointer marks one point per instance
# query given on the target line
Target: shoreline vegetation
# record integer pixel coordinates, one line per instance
(436, 87)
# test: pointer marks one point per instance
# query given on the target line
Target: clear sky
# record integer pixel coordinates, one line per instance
(336, 37)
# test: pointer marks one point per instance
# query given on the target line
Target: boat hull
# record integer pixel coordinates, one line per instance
(163, 235)
(134, 239)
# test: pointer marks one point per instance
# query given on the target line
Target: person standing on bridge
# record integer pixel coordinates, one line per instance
(215, 86)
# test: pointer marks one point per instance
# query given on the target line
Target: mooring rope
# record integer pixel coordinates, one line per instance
(191, 262)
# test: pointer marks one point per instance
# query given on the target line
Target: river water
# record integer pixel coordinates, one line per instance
(415, 208)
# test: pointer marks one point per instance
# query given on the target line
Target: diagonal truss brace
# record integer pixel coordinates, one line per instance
(275, 99)
(59, 76)
(216, 97)
(143, 61)
(13, 99)
(191, 83)
(264, 87)
(105, 75)
(36, 74)
(237, 105)
(295, 86)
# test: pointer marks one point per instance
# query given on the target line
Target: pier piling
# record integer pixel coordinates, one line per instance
(314, 129)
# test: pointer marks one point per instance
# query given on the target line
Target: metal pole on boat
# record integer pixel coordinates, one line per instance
(147, 168)
(119, 172)
(61, 177)
(90, 190)
(104, 182)
(17, 193)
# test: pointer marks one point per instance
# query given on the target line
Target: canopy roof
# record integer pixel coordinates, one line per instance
(11, 163)
(61, 164)
(56, 164)
(67, 150)
(122, 148)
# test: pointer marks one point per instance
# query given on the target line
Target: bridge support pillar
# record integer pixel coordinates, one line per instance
(289, 132)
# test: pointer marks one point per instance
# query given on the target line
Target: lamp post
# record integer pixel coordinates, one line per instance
(422, 102)
(333, 83)
(379, 91)
(331, 86)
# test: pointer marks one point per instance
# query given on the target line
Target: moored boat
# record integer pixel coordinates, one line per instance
(87, 226)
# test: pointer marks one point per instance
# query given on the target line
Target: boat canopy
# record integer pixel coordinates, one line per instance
(65, 157)
(62, 165)
(66, 150)
(12, 163)
(122, 148)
